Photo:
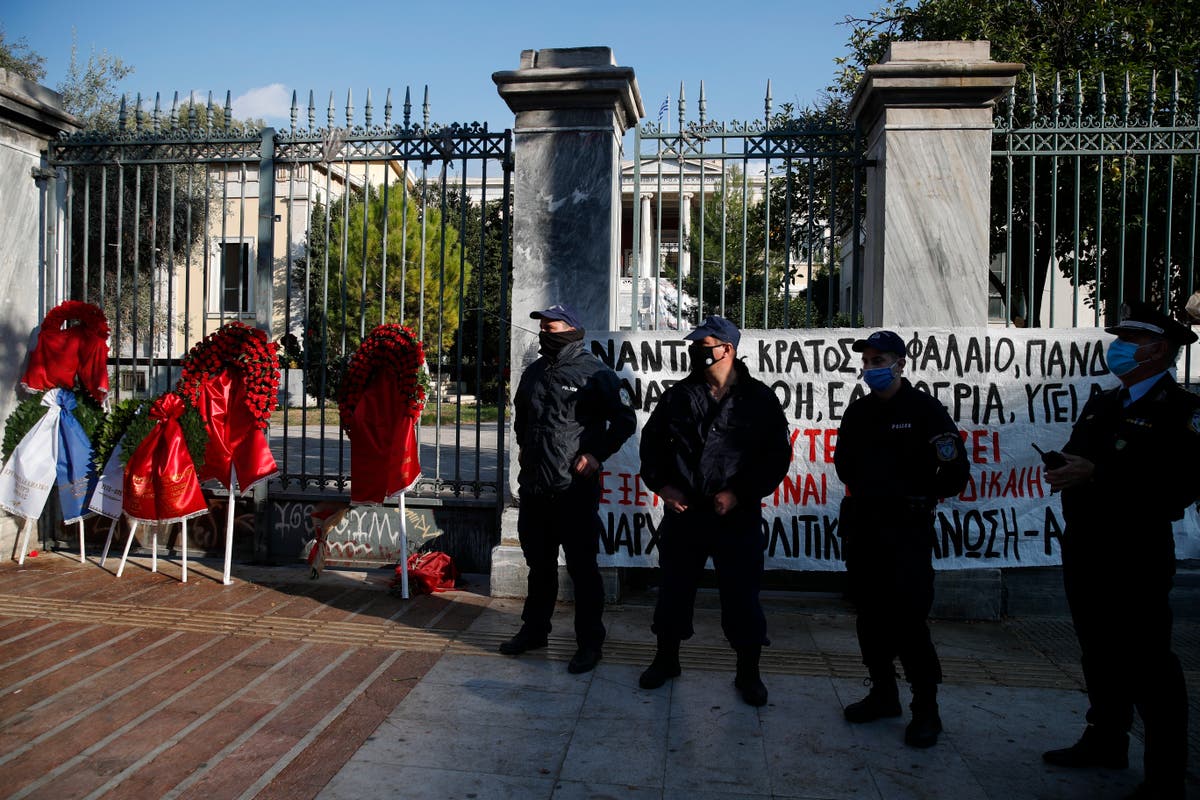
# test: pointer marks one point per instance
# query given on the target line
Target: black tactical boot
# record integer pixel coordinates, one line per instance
(523, 641)
(1096, 748)
(665, 665)
(882, 701)
(747, 680)
(926, 723)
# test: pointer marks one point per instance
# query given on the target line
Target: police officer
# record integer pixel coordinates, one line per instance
(899, 453)
(569, 417)
(1122, 486)
(714, 446)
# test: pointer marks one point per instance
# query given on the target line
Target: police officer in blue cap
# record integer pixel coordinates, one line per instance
(714, 446)
(899, 453)
(568, 418)
(1122, 486)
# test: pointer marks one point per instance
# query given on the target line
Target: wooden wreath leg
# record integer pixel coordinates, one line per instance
(403, 549)
(108, 542)
(25, 539)
(184, 536)
(82, 557)
(128, 542)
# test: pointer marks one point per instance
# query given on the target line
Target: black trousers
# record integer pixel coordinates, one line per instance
(1119, 599)
(735, 543)
(890, 573)
(568, 519)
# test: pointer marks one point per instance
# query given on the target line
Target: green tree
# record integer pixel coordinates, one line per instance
(89, 89)
(351, 290)
(1066, 38)
(18, 57)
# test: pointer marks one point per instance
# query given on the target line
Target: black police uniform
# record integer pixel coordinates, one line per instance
(564, 407)
(1118, 561)
(701, 446)
(897, 457)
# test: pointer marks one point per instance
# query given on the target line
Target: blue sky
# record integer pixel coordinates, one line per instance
(262, 52)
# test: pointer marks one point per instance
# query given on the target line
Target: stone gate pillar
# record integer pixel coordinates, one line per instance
(926, 111)
(30, 205)
(572, 106)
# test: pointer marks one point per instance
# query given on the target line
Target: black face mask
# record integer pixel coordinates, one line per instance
(701, 356)
(553, 343)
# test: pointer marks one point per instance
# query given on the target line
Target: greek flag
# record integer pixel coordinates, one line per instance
(662, 110)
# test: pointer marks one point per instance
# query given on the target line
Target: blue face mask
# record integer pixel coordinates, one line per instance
(879, 378)
(1122, 357)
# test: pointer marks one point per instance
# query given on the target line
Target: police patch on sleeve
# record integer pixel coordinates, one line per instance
(946, 446)
(1194, 424)
(626, 399)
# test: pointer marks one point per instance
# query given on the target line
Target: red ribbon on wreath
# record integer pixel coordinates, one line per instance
(72, 343)
(379, 401)
(160, 477)
(232, 378)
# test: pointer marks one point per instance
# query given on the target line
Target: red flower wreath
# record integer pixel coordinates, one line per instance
(394, 348)
(69, 355)
(236, 346)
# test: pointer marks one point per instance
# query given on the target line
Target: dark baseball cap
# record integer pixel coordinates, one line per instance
(718, 328)
(559, 311)
(883, 341)
(1141, 317)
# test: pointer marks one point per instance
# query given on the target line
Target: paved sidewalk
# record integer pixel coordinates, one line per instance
(278, 686)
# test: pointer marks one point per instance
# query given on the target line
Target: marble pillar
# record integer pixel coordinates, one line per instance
(685, 212)
(30, 116)
(926, 111)
(646, 261)
(572, 106)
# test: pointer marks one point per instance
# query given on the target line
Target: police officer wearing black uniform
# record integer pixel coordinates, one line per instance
(714, 446)
(569, 418)
(898, 452)
(1122, 486)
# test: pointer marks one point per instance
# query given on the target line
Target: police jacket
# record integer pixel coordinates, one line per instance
(701, 446)
(564, 407)
(1137, 452)
(904, 448)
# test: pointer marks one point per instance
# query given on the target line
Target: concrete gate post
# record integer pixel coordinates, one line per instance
(30, 116)
(572, 106)
(926, 112)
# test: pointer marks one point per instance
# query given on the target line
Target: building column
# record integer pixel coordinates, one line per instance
(572, 107)
(685, 216)
(926, 112)
(645, 257)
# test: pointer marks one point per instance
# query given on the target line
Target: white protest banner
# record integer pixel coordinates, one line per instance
(1006, 388)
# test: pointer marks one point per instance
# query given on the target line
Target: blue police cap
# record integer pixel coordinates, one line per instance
(717, 327)
(883, 341)
(559, 311)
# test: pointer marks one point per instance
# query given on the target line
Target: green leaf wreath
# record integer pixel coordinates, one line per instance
(30, 411)
(195, 432)
(115, 424)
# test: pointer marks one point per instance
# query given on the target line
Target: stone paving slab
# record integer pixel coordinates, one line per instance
(277, 686)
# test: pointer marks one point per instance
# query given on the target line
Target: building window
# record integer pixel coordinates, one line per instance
(232, 280)
(133, 380)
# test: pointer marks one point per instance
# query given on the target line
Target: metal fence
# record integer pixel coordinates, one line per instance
(177, 222)
(759, 221)
(1094, 197)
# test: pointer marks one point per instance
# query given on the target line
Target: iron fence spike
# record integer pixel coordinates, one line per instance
(228, 109)
(407, 106)
(387, 109)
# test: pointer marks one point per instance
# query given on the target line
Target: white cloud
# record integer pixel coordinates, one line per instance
(266, 102)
